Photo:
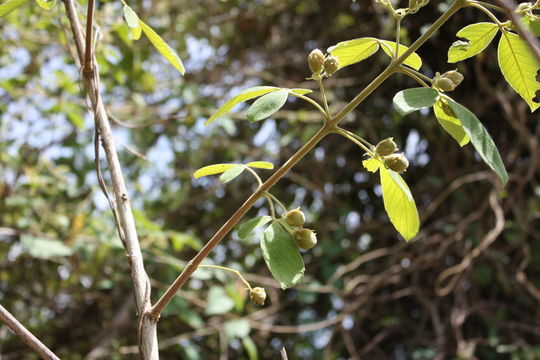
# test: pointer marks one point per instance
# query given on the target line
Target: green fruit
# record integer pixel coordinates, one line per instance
(396, 162)
(305, 239)
(330, 65)
(386, 147)
(257, 295)
(295, 218)
(316, 61)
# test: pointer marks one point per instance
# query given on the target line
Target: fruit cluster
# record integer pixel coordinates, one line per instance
(304, 238)
(396, 162)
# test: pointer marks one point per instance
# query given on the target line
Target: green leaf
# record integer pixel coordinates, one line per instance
(449, 122)
(519, 67)
(532, 24)
(479, 36)
(9, 6)
(212, 170)
(218, 301)
(480, 138)
(135, 33)
(162, 47)
(47, 5)
(282, 256)
(267, 105)
(231, 173)
(409, 100)
(399, 204)
(250, 348)
(353, 51)
(44, 248)
(412, 60)
(237, 328)
(131, 17)
(261, 165)
(251, 224)
(301, 91)
(371, 164)
(243, 96)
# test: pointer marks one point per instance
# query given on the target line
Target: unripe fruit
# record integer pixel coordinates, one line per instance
(386, 147)
(257, 295)
(295, 218)
(396, 162)
(316, 61)
(444, 84)
(305, 239)
(330, 65)
(453, 75)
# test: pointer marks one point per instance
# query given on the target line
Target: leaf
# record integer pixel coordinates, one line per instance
(371, 164)
(261, 165)
(243, 96)
(47, 5)
(44, 248)
(480, 138)
(163, 48)
(251, 348)
(218, 301)
(399, 204)
(135, 33)
(237, 328)
(282, 256)
(353, 51)
(412, 60)
(231, 173)
(409, 100)
(519, 67)
(9, 6)
(267, 105)
(301, 91)
(532, 24)
(212, 170)
(479, 36)
(251, 224)
(131, 17)
(449, 122)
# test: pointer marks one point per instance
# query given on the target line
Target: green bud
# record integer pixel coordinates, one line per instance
(295, 218)
(386, 147)
(305, 239)
(455, 76)
(316, 61)
(257, 295)
(396, 162)
(330, 65)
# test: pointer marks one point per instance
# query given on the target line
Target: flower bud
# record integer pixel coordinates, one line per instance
(316, 61)
(305, 239)
(447, 81)
(396, 162)
(257, 295)
(330, 65)
(295, 218)
(453, 75)
(386, 147)
(444, 84)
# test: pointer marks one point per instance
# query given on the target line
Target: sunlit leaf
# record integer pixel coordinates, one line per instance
(371, 164)
(282, 256)
(480, 139)
(399, 204)
(9, 6)
(161, 46)
(247, 94)
(212, 170)
(47, 5)
(353, 51)
(251, 224)
(519, 67)
(261, 165)
(478, 35)
(301, 91)
(412, 60)
(267, 105)
(409, 100)
(449, 122)
(131, 17)
(231, 173)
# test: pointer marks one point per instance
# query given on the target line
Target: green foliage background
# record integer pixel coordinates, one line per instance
(366, 293)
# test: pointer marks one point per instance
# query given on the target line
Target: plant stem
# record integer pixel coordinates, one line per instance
(404, 70)
(230, 270)
(271, 204)
(277, 201)
(323, 95)
(398, 35)
(312, 102)
(485, 11)
(488, 5)
(347, 134)
(255, 175)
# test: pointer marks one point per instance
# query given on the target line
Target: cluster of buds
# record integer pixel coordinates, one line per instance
(319, 63)
(304, 238)
(415, 5)
(448, 81)
(396, 162)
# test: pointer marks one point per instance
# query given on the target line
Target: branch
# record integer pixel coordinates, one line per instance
(122, 207)
(26, 336)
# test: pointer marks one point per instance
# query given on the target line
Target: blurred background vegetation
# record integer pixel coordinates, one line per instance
(366, 294)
